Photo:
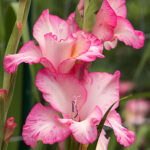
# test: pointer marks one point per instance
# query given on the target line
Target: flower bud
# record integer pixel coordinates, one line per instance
(9, 129)
(3, 93)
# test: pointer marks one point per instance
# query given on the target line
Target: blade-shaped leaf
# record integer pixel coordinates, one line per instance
(100, 127)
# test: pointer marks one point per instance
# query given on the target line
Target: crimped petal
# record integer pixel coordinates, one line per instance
(50, 24)
(29, 53)
(85, 131)
(126, 33)
(102, 90)
(86, 48)
(119, 6)
(58, 51)
(61, 91)
(124, 136)
(102, 142)
(41, 124)
(106, 21)
(110, 44)
(94, 49)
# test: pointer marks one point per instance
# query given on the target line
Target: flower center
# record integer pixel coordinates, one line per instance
(75, 113)
(74, 51)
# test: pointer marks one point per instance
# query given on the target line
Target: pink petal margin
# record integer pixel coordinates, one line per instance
(119, 6)
(85, 131)
(29, 53)
(125, 32)
(106, 21)
(124, 136)
(50, 24)
(42, 125)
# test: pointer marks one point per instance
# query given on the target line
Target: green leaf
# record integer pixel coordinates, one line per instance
(100, 127)
(136, 96)
(143, 61)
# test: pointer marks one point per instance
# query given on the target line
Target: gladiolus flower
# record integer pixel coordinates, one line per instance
(111, 25)
(58, 48)
(124, 31)
(81, 102)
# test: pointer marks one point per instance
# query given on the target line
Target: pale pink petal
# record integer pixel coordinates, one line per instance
(49, 24)
(29, 53)
(119, 6)
(126, 33)
(41, 124)
(94, 49)
(86, 48)
(85, 131)
(124, 136)
(73, 27)
(106, 21)
(58, 51)
(67, 65)
(61, 91)
(110, 44)
(102, 141)
(102, 90)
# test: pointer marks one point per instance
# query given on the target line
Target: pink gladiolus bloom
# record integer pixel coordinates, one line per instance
(136, 111)
(58, 48)
(106, 21)
(125, 86)
(82, 104)
(124, 31)
(111, 25)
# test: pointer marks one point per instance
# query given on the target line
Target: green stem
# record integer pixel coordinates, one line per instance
(9, 79)
(136, 96)
(74, 145)
(26, 38)
(140, 67)
(4, 146)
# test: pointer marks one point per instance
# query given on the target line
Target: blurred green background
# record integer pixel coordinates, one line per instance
(133, 64)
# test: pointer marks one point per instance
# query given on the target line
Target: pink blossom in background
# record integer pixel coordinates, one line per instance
(125, 87)
(136, 111)
(59, 47)
(82, 104)
(111, 25)
(9, 129)
(124, 31)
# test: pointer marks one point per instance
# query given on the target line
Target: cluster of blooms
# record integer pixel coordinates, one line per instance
(80, 96)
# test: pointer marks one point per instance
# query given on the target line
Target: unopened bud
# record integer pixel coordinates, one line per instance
(3, 93)
(19, 25)
(9, 129)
